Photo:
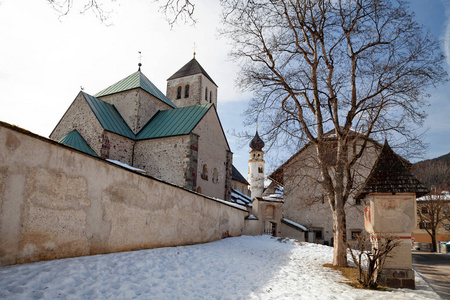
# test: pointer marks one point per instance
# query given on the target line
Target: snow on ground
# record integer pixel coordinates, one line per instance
(234, 268)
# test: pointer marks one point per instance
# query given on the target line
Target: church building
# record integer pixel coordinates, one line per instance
(177, 137)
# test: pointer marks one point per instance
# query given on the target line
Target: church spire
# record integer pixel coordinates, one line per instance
(256, 166)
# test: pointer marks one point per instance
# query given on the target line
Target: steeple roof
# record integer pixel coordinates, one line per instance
(256, 143)
(191, 68)
(135, 80)
(75, 140)
(390, 175)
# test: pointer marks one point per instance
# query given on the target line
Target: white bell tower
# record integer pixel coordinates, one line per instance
(256, 166)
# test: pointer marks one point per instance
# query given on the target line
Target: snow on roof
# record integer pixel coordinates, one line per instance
(292, 223)
(443, 196)
(251, 217)
(237, 205)
(125, 165)
(239, 198)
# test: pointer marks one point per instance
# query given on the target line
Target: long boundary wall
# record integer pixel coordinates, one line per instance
(57, 202)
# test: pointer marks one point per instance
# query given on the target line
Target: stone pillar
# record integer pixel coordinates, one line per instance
(393, 215)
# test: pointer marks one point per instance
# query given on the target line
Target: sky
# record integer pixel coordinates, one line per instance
(46, 59)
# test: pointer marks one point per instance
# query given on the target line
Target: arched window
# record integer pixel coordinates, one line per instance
(210, 96)
(260, 169)
(215, 176)
(205, 172)
(206, 93)
(179, 92)
(199, 190)
(186, 91)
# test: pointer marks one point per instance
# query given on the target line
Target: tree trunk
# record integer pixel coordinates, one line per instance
(433, 241)
(340, 237)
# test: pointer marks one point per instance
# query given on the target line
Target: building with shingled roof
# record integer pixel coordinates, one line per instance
(175, 137)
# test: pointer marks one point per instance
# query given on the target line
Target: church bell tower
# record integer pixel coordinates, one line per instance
(256, 166)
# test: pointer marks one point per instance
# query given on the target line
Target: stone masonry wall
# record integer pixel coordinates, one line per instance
(58, 202)
(212, 152)
(197, 85)
(117, 147)
(165, 158)
(136, 107)
(79, 116)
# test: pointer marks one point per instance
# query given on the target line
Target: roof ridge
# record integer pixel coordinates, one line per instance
(191, 68)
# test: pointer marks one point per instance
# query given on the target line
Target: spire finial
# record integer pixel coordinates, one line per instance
(194, 50)
(140, 58)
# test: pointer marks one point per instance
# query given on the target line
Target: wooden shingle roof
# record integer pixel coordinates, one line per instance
(390, 175)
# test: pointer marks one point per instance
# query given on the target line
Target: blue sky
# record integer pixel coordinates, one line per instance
(44, 60)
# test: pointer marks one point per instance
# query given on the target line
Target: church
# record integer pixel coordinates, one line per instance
(176, 137)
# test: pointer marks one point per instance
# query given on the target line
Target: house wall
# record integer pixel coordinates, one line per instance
(213, 152)
(165, 158)
(57, 202)
(305, 201)
(197, 85)
(290, 232)
(79, 116)
(136, 107)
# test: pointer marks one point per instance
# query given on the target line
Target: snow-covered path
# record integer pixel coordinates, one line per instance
(234, 268)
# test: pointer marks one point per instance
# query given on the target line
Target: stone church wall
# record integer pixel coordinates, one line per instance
(167, 159)
(136, 107)
(58, 202)
(117, 147)
(79, 116)
(212, 152)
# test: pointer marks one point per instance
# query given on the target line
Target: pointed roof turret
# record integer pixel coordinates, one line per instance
(191, 68)
(390, 175)
(135, 80)
(256, 143)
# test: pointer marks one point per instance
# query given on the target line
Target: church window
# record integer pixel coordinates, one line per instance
(210, 96)
(215, 176)
(204, 174)
(206, 93)
(186, 91)
(179, 92)
(260, 169)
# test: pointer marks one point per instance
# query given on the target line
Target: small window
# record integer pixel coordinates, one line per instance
(210, 96)
(215, 176)
(357, 201)
(425, 225)
(179, 92)
(186, 91)
(204, 175)
(260, 170)
(206, 93)
(424, 210)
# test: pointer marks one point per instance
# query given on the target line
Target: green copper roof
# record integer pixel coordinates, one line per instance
(179, 121)
(75, 140)
(136, 80)
(108, 116)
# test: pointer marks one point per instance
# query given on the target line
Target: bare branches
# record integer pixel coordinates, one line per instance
(63, 7)
(341, 72)
(178, 10)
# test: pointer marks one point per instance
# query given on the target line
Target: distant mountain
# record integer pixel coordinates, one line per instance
(434, 172)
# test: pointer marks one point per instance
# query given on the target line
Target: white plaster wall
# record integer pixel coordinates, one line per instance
(256, 179)
(57, 202)
(79, 116)
(305, 201)
(212, 151)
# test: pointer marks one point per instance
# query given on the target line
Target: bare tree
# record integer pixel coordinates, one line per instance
(432, 211)
(350, 70)
(369, 258)
(174, 10)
